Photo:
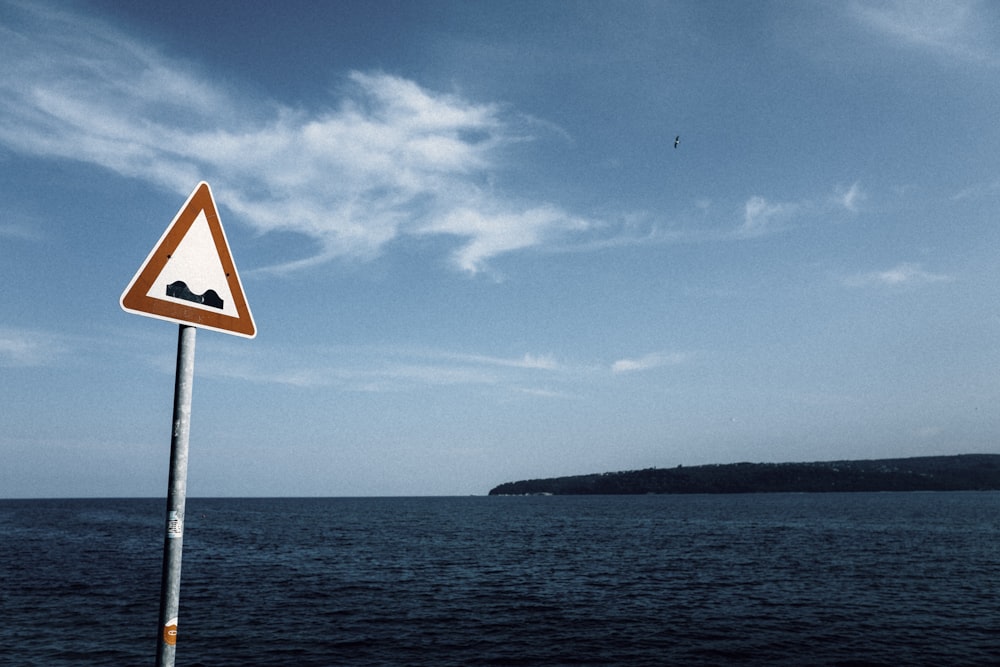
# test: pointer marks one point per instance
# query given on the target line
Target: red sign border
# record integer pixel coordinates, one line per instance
(135, 298)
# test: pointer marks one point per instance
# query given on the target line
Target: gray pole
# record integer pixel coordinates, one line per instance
(170, 587)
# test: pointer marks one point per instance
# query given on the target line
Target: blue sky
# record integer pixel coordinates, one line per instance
(472, 252)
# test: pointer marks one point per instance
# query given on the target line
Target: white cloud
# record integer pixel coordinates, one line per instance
(954, 28)
(977, 190)
(22, 347)
(761, 217)
(851, 198)
(374, 369)
(491, 234)
(902, 274)
(648, 362)
(528, 361)
(387, 159)
(540, 362)
(545, 393)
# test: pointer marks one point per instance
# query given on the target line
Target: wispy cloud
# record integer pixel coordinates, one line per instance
(378, 369)
(757, 217)
(648, 362)
(956, 29)
(851, 197)
(492, 232)
(528, 361)
(977, 190)
(387, 158)
(545, 393)
(18, 232)
(762, 217)
(902, 274)
(23, 347)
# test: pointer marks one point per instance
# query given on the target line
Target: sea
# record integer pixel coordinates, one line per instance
(759, 579)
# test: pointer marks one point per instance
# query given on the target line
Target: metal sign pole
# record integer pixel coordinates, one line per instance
(176, 496)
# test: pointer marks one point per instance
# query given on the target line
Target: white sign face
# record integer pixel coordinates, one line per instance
(196, 264)
(190, 277)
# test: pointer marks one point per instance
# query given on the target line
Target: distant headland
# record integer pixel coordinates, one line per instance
(964, 472)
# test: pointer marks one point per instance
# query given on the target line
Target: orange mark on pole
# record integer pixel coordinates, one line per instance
(170, 632)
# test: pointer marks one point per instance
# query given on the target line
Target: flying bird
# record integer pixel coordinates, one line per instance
(677, 140)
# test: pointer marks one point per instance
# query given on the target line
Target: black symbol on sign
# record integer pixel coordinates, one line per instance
(180, 290)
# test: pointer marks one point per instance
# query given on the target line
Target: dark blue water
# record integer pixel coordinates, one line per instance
(775, 579)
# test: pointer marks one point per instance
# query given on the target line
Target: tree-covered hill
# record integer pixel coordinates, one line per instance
(929, 473)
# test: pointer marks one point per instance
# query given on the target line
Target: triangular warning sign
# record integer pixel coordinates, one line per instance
(190, 277)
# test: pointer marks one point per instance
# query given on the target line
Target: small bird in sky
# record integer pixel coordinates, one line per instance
(677, 140)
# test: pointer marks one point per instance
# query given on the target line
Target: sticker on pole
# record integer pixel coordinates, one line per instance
(175, 525)
(190, 277)
(170, 632)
